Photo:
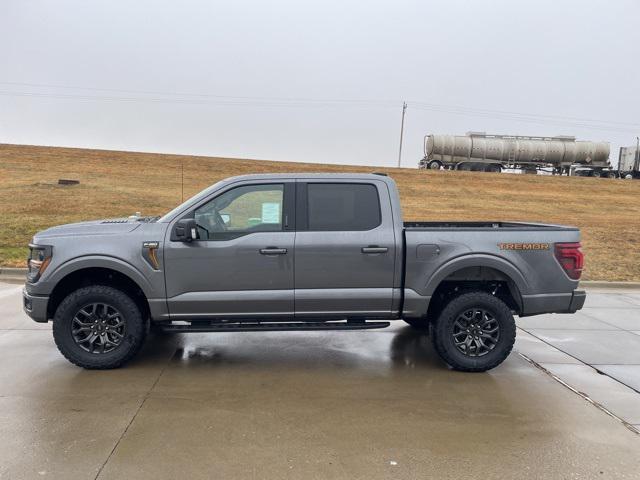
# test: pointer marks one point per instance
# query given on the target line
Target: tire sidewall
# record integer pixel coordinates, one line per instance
(444, 330)
(134, 327)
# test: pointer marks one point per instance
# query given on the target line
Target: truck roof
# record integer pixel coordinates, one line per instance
(277, 176)
(274, 176)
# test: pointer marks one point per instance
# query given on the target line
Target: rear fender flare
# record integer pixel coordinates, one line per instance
(477, 260)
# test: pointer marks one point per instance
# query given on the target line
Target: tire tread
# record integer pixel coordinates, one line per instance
(133, 317)
(440, 334)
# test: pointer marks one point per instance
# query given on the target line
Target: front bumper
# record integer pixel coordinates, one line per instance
(35, 306)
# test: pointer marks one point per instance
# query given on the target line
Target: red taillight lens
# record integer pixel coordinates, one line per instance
(571, 258)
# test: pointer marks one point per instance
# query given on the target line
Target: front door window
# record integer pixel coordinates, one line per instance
(240, 211)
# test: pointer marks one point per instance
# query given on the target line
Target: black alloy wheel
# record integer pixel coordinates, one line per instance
(98, 328)
(475, 332)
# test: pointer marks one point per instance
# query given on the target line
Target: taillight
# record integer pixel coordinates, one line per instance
(571, 258)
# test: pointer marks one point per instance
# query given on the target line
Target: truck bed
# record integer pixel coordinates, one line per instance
(523, 252)
(510, 226)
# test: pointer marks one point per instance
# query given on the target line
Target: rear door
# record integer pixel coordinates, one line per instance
(344, 249)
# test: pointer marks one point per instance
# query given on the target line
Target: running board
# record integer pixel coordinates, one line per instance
(272, 326)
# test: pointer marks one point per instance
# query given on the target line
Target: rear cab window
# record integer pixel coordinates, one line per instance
(342, 207)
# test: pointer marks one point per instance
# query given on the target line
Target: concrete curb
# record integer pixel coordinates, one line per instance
(14, 273)
(613, 285)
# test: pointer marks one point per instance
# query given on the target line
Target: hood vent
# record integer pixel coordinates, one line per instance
(115, 220)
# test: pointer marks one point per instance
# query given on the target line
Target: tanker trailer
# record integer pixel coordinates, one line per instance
(481, 152)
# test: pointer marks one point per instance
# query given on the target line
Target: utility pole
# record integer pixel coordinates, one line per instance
(404, 109)
(636, 162)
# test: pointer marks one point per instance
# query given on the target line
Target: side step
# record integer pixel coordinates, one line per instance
(271, 326)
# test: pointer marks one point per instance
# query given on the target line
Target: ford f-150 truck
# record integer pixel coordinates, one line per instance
(298, 252)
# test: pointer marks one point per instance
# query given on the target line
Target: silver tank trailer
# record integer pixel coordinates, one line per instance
(454, 151)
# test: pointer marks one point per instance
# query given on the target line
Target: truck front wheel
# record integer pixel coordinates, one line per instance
(98, 327)
(474, 332)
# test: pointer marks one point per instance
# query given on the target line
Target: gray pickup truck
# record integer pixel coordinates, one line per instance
(298, 252)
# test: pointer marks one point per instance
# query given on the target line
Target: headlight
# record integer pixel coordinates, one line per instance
(39, 259)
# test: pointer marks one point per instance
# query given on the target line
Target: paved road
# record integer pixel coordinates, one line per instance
(362, 404)
(596, 351)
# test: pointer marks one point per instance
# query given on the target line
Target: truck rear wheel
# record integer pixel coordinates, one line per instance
(98, 327)
(475, 332)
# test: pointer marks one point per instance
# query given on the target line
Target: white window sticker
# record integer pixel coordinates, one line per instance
(270, 212)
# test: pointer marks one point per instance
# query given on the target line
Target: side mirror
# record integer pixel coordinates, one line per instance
(185, 230)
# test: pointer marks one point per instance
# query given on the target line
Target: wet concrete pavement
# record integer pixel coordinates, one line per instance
(596, 350)
(360, 404)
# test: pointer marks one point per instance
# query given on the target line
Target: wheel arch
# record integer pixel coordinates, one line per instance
(100, 261)
(98, 271)
(479, 269)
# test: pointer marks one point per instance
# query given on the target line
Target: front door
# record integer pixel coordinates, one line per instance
(241, 264)
(344, 250)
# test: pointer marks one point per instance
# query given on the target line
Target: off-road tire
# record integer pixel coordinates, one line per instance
(130, 345)
(443, 328)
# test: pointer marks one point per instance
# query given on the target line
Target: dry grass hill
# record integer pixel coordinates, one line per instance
(120, 183)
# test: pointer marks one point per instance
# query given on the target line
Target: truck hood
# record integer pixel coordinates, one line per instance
(114, 226)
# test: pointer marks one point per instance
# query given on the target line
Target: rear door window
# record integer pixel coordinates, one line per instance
(342, 206)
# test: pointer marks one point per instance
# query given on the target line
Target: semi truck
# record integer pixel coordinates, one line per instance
(477, 151)
(281, 252)
(629, 162)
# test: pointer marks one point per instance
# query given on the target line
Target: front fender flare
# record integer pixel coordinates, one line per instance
(101, 261)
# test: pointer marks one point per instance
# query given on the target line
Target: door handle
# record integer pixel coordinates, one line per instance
(374, 249)
(273, 251)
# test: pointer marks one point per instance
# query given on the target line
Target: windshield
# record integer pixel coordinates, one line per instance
(184, 205)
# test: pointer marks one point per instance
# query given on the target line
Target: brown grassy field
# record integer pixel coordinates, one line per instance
(121, 183)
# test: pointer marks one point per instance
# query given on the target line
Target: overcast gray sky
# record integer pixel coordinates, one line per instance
(314, 81)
